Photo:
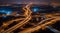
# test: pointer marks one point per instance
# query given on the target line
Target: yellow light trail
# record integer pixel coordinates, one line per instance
(30, 30)
(11, 21)
(21, 23)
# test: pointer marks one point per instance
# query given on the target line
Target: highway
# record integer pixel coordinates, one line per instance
(49, 20)
(19, 24)
(30, 30)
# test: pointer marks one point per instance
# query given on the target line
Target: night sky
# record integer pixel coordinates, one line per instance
(56, 2)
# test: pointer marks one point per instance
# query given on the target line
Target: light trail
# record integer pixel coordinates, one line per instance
(37, 24)
(30, 30)
(44, 21)
(5, 24)
(16, 26)
(21, 23)
(40, 25)
(52, 29)
(11, 15)
(11, 21)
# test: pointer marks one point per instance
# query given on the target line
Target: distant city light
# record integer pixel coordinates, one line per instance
(35, 9)
(6, 12)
